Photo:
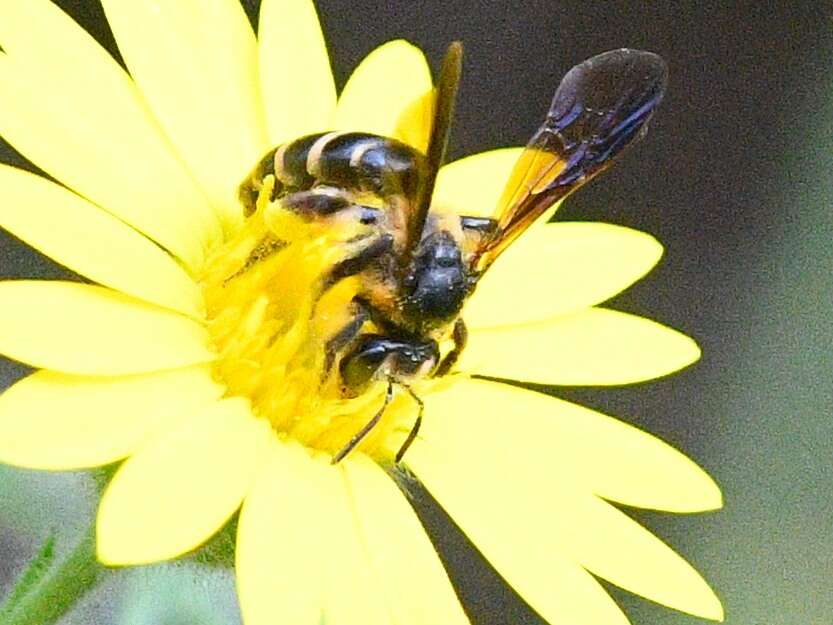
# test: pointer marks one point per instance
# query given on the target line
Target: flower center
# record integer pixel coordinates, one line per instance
(270, 319)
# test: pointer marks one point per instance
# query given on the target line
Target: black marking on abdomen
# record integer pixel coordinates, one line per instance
(292, 170)
(354, 161)
(366, 162)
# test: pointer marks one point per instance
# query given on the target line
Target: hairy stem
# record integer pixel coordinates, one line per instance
(60, 589)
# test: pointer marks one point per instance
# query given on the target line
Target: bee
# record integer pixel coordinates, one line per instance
(417, 266)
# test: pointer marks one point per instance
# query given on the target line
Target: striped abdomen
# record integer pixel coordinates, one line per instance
(354, 161)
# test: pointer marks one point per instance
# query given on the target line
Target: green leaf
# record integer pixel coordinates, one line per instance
(31, 576)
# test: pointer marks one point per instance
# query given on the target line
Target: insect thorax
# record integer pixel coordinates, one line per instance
(323, 174)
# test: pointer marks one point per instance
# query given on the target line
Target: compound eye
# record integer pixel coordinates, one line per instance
(359, 367)
(362, 365)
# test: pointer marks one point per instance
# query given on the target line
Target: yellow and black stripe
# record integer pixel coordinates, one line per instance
(354, 161)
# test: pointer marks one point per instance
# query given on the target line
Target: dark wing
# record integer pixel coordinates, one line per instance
(600, 108)
(446, 96)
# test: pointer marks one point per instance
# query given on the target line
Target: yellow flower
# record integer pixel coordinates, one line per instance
(163, 366)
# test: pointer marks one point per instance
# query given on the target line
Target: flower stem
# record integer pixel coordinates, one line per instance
(61, 589)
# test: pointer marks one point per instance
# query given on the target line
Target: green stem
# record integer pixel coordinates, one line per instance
(61, 589)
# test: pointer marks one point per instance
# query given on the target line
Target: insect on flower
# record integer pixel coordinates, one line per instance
(225, 353)
(417, 265)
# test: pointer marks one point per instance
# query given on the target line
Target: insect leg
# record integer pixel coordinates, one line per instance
(346, 335)
(460, 337)
(414, 429)
(356, 263)
(328, 203)
(267, 246)
(359, 436)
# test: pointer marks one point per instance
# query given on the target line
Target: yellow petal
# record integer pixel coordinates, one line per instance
(280, 559)
(567, 591)
(56, 421)
(173, 494)
(625, 464)
(196, 64)
(595, 347)
(615, 460)
(89, 330)
(69, 108)
(301, 557)
(473, 185)
(415, 123)
(299, 95)
(351, 599)
(412, 578)
(559, 589)
(81, 236)
(560, 268)
(537, 478)
(556, 587)
(611, 545)
(388, 94)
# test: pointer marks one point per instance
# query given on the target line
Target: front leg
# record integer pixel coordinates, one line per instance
(460, 336)
(358, 437)
(372, 248)
(341, 339)
(361, 312)
(414, 428)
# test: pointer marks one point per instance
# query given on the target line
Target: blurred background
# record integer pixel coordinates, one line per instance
(736, 179)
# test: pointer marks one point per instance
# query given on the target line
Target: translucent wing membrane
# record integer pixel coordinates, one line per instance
(601, 107)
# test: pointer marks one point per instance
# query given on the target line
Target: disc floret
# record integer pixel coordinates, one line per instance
(270, 319)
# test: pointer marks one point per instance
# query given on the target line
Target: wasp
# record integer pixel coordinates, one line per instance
(417, 266)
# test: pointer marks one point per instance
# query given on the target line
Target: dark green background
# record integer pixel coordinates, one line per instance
(735, 179)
